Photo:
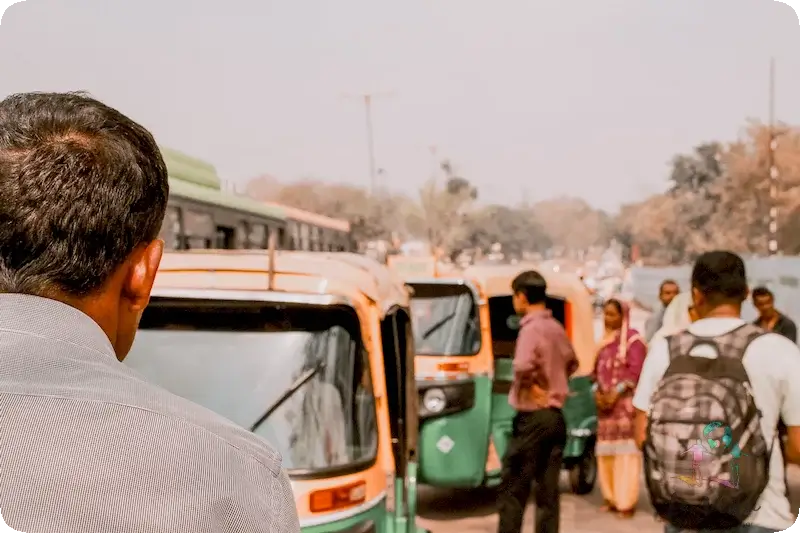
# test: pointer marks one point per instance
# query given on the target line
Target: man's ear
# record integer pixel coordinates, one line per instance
(141, 274)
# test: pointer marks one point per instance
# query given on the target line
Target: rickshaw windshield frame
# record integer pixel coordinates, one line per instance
(312, 316)
(449, 316)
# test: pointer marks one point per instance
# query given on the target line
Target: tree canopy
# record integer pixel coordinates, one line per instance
(717, 195)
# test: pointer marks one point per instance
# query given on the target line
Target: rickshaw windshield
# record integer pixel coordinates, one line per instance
(445, 320)
(239, 359)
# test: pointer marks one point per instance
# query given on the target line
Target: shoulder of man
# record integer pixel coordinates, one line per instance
(222, 431)
(211, 433)
(773, 347)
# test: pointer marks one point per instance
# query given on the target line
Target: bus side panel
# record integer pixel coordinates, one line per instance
(453, 448)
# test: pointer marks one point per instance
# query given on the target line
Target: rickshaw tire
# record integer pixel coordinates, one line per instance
(583, 474)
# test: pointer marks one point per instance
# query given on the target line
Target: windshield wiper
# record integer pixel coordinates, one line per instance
(431, 330)
(301, 380)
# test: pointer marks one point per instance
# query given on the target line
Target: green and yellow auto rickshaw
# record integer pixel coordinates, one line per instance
(465, 329)
(313, 352)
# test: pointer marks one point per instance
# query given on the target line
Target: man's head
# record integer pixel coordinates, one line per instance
(668, 291)
(719, 284)
(530, 290)
(764, 301)
(83, 191)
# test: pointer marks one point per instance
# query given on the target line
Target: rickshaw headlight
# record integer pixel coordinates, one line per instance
(434, 400)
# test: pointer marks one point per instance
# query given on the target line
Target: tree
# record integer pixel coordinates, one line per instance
(719, 197)
(444, 210)
(516, 230)
(572, 223)
(371, 217)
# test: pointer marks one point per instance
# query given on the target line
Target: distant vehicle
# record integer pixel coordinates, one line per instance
(200, 215)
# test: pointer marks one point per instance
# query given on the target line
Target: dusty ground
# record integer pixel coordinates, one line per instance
(474, 511)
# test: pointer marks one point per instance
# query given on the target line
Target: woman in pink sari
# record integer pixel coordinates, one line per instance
(616, 374)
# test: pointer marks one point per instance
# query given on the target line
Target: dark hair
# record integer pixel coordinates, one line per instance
(81, 186)
(721, 277)
(532, 285)
(667, 282)
(616, 303)
(758, 292)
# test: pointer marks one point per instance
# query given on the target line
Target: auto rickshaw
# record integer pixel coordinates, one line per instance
(465, 329)
(314, 353)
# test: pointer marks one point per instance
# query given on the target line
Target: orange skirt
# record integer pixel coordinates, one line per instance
(619, 479)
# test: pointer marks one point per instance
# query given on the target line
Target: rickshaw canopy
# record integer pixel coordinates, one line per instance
(495, 280)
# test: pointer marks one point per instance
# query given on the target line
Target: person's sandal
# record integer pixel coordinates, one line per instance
(626, 514)
(607, 507)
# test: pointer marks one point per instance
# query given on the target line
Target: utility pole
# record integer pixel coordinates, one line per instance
(367, 98)
(773, 169)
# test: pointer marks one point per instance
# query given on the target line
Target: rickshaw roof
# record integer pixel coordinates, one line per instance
(495, 280)
(313, 273)
(416, 267)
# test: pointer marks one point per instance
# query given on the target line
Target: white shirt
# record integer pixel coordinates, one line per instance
(772, 363)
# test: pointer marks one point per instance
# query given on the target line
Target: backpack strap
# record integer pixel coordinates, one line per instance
(732, 344)
(680, 343)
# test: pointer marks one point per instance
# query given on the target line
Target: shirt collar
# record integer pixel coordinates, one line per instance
(535, 315)
(50, 319)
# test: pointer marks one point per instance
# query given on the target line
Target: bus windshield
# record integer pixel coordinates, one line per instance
(445, 320)
(241, 359)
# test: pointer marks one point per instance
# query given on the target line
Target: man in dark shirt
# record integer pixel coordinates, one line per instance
(770, 318)
(543, 362)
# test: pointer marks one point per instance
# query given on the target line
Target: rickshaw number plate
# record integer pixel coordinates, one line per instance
(445, 444)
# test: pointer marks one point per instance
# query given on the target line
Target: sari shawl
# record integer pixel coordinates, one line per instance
(619, 362)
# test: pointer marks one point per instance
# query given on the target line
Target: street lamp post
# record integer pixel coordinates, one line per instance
(367, 98)
(774, 175)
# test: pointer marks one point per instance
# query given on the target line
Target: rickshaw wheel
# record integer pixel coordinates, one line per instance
(583, 474)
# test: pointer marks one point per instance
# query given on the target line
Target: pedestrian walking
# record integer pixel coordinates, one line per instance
(616, 373)
(87, 444)
(770, 318)
(543, 362)
(722, 383)
(668, 290)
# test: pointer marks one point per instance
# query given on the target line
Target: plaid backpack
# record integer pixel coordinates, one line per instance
(706, 461)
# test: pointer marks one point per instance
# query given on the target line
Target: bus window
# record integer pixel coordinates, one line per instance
(199, 229)
(171, 229)
(258, 237)
(305, 245)
(315, 239)
(294, 235)
(226, 238)
(281, 238)
(242, 236)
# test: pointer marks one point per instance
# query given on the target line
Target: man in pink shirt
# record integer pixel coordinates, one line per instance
(543, 362)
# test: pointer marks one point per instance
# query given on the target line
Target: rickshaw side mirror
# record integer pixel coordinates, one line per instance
(513, 322)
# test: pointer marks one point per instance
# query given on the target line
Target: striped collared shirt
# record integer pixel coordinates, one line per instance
(87, 445)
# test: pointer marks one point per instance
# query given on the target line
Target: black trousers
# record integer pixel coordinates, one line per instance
(534, 456)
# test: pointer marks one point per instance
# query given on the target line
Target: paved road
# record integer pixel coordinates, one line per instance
(451, 511)
(473, 511)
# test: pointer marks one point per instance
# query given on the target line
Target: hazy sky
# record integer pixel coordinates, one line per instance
(528, 98)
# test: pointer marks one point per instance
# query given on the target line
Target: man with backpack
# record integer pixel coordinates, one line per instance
(708, 403)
